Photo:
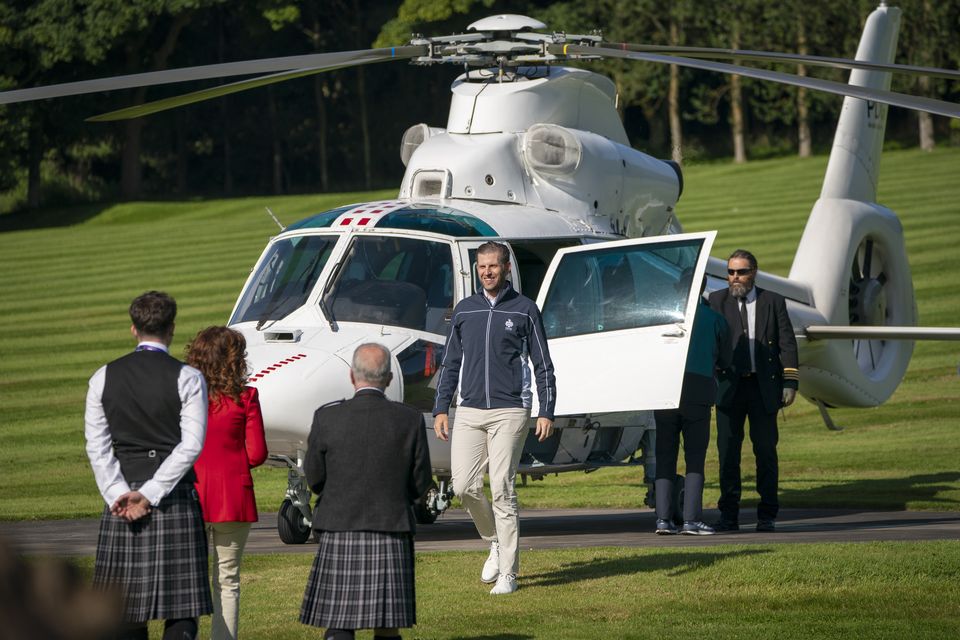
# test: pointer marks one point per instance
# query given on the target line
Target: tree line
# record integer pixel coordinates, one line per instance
(341, 130)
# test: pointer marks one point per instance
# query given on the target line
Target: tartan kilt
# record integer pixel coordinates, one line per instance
(159, 562)
(361, 580)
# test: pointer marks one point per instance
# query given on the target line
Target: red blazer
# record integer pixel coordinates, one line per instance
(235, 443)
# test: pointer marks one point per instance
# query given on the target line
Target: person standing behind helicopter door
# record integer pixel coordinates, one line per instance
(490, 332)
(709, 350)
(235, 444)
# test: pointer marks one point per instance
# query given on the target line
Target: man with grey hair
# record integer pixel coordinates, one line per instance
(492, 334)
(368, 462)
(371, 364)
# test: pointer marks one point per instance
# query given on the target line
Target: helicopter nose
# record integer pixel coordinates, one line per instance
(293, 387)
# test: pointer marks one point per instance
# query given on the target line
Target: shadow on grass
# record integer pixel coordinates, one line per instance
(48, 218)
(675, 564)
(870, 494)
(499, 636)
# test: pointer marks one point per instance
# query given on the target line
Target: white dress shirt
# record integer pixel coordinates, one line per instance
(193, 430)
(377, 389)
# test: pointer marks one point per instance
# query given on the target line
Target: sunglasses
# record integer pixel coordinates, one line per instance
(739, 272)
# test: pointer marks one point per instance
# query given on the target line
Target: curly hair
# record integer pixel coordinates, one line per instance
(220, 355)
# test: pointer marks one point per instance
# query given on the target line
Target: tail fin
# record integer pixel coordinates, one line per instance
(854, 167)
(852, 254)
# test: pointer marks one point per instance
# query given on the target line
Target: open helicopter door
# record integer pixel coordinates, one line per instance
(618, 316)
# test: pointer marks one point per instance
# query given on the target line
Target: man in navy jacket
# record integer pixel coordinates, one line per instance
(492, 333)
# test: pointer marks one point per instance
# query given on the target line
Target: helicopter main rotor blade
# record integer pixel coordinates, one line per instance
(795, 58)
(318, 61)
(147, 108)
(937, 107)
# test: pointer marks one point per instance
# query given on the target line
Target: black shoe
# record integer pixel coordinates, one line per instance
(723, 525)
(766, 526)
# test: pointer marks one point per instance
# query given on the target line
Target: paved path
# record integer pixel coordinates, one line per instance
(556, 528)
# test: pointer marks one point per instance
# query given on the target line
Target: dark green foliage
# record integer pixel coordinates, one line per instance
(341, 130)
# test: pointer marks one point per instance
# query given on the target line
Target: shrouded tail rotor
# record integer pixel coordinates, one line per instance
(852, 256)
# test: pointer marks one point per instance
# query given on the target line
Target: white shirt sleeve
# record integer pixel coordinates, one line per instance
(193, 430)
(106, 467)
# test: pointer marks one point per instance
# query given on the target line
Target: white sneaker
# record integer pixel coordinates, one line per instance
(506, 583)
(491, 568)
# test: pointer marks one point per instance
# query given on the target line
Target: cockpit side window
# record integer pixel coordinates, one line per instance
(394, 281)
(285, 278)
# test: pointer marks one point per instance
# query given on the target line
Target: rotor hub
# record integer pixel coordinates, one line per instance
(503, 41)
(870, 304)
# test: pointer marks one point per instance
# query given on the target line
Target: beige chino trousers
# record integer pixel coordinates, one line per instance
(227, 540)
(490, 440)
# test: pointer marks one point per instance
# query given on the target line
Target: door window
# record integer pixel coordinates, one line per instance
(618, 288)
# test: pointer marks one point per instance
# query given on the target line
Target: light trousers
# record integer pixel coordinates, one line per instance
(490, 440)
(227, 540)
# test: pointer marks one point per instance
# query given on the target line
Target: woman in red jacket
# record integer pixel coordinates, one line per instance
(235, 443)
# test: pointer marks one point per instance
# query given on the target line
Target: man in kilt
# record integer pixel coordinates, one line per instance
(145, 422)
(368, 462)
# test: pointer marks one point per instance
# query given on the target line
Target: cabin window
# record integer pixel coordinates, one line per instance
(533, 257)
(395, 281)
(419, 365)
(285, 278)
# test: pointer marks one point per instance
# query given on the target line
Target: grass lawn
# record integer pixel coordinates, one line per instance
(863, 590)
(69, 275)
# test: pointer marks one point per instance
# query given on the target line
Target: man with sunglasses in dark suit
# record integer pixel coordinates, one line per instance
(763, 378)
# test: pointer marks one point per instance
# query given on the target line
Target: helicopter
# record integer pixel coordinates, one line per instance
(534, 155)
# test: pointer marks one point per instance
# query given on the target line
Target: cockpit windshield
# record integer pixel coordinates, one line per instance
(396, 281)
(285, 278)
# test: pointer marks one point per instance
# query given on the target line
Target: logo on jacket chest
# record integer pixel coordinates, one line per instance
(508, 325)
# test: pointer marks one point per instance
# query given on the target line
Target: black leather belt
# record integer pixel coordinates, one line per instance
(748, 375)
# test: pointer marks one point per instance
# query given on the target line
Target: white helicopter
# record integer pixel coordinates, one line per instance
(535, 155)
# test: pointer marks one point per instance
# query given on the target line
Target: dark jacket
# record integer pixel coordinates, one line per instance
(486, 353)
(775, 347)
(367, 461)
(710, 350)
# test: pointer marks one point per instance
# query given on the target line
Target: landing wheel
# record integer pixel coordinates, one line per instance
(291, 525)
(421, 511)
(677, 500)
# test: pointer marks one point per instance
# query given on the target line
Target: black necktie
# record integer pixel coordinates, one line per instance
(741, 353)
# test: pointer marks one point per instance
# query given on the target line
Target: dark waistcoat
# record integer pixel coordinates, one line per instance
(141, 400)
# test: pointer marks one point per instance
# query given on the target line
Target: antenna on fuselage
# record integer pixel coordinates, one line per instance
(270, 213)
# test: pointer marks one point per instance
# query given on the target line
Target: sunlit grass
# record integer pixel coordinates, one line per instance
(856, 590)
(66, 288)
